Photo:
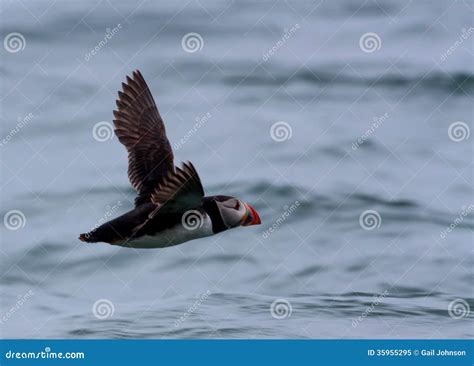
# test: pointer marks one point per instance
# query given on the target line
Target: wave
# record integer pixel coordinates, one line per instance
(234, 315)
(345, 205)
(455, 82)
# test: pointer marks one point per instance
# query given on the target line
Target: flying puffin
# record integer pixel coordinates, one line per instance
(170, 208)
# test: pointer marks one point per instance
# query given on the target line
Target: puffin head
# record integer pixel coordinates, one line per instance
(227, 212)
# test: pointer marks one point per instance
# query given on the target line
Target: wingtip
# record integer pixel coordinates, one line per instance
(133, 76)
(137, 74)
(191, 167)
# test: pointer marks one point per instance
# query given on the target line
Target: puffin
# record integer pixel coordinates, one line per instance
(170, 206)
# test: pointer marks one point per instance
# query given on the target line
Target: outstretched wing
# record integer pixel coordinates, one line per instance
(139, 127)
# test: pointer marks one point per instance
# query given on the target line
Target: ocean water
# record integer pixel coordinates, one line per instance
(346, 124)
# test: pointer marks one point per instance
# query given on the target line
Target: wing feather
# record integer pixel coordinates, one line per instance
(180, 191)
(140, 128)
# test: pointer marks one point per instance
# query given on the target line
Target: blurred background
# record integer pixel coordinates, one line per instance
(347, 124)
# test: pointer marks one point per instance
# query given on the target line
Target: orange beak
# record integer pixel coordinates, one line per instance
(251, 217)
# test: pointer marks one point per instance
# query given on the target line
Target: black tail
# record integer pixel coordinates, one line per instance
(120, 228)
(88, 237)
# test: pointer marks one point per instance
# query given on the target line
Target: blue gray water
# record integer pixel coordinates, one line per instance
(345, 123)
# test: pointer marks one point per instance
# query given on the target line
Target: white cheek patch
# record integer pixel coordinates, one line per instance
(231, 216)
